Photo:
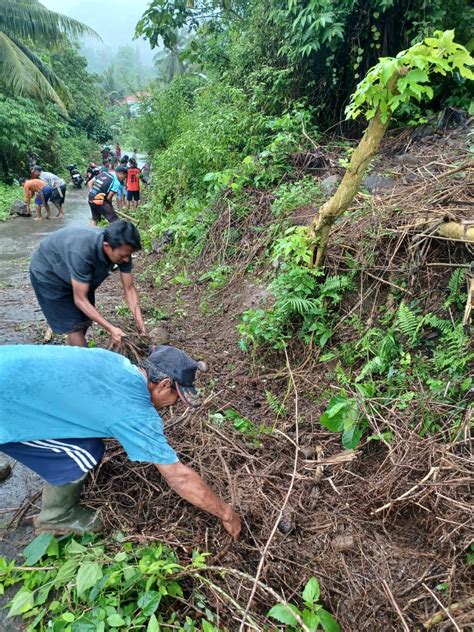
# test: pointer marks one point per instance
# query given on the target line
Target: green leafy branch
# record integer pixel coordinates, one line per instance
(396, 80)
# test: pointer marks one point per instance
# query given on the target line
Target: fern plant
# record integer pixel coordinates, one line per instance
(457, 295)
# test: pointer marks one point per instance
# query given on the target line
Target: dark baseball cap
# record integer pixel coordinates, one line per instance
(180, 367)
(121, 170)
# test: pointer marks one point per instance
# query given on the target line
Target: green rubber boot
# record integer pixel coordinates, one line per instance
(5, 470)
(61, 513)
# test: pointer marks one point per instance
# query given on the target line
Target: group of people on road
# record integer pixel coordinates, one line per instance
(119, 177)
(58, 403)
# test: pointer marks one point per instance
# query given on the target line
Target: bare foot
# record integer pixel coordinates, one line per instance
(37, 219)
(59, 215)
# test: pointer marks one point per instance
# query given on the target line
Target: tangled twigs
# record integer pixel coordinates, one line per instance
(433, 471)
(283, 506)
(133, 346)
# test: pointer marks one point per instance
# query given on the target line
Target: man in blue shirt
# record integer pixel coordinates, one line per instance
(101, 194)
(56, 405)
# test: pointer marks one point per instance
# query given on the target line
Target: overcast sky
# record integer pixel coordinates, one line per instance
(114, 20)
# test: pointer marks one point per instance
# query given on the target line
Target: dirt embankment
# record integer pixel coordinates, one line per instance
(383, 527)
(386, 528)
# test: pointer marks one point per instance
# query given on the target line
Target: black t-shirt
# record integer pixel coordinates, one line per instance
(73, 253)
(102, 184)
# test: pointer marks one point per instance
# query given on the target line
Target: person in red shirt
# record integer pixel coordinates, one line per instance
(133, 184)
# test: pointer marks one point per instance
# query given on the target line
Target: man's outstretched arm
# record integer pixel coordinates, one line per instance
(81, 300)
(133, 300)
(190, 486)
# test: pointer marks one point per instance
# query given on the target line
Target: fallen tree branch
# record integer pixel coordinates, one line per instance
(442, 615)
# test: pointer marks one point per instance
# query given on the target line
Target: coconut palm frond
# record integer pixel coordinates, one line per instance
(29, 19)
(21, 76)
(57, 84)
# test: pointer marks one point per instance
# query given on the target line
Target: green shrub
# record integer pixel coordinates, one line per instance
(8, 194)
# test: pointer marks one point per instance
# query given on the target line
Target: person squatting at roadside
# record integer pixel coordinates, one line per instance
(91, 394)
(70, 264)
(101, 194)
(57, 184)
(41, 192)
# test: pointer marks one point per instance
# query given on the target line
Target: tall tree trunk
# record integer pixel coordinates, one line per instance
(339, 202)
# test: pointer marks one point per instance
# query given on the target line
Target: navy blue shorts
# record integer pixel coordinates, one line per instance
(44, 196)
(58, 461)
(58, 307)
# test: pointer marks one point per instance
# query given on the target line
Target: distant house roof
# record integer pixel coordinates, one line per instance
(134, 98)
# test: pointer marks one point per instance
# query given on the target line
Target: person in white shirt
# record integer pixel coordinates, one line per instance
(56, 183)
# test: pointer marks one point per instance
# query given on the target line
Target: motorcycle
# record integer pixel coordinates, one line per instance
(76, 177)
(92, 171)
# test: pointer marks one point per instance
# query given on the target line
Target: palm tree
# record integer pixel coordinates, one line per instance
(27, 22)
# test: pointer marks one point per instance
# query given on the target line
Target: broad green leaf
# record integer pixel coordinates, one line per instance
(87, 575)
(21, 602)
(351, 437)
(53, 548)
(335, 405)
(121, 556)
(311, 619)
(149, 602)
(115, 621)
(43, 594)
(311, 591)
(66, 573)
(328, 622)
(68, 617)
(74, 547)
(86, 625)
(153, 624)
(334, 424)
(283, 614)
(37, 548)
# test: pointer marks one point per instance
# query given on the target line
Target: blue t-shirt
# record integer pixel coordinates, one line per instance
(53, 392)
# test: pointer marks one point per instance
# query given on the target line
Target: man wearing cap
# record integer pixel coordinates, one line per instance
(90, 394)
(102, 192)
(70, 264)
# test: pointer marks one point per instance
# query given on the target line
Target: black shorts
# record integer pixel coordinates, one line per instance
(59, 194)
(133, 195)
(105, 210)
(58, 307)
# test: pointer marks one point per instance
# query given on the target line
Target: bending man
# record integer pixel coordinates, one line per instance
(56, 429)
(70, 264)
(57, 184)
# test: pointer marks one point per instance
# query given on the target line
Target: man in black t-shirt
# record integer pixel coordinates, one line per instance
(103, 189)
(70, 264)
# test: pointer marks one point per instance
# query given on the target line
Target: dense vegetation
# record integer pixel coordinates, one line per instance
(30, 125)
(264, 83)
(49, 104)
